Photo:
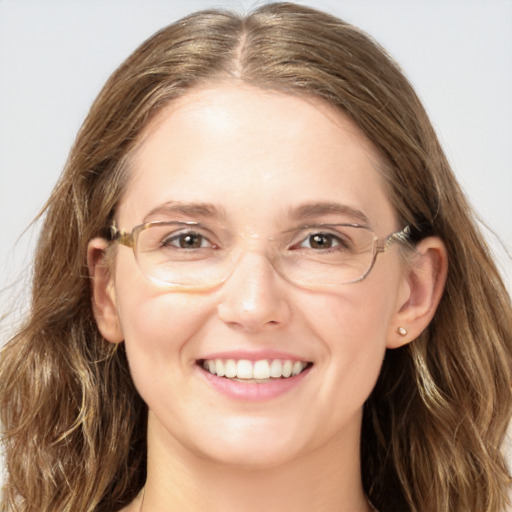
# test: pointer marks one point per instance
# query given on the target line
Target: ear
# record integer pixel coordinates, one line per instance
(420, 292)
(103, 299)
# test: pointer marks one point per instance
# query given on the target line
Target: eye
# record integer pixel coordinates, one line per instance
(322, 241)
(189, 240)
(319, 241)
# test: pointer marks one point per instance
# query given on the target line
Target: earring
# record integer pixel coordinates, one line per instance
(402, 331)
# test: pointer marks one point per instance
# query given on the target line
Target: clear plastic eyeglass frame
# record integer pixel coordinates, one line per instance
(196, 278)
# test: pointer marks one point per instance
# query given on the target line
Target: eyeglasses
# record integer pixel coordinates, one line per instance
(195, 256)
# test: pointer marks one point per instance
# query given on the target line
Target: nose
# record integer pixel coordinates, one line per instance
(254, 296)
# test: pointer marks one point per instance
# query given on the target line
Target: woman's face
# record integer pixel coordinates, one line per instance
(250, 161)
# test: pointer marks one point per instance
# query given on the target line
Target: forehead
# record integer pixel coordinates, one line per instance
(253, 153)
(225, 107)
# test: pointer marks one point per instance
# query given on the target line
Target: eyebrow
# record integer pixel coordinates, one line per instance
(310, 210)
(205, 210)
(301, 213)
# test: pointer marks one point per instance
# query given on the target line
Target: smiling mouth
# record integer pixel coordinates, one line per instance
(264, 370)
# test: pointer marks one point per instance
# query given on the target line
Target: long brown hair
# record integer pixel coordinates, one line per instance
(74, 426)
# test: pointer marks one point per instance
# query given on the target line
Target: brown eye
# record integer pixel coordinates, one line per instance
(324, 242)
(190, 241)
(320, 241)
(186, 241)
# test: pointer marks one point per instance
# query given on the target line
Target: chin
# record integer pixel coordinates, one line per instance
(252, 458)
(254, 445)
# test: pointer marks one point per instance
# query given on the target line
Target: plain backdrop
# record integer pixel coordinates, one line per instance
(56, 54)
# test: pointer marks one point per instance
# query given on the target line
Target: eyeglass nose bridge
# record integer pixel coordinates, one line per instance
(263, 247)
(266, 257)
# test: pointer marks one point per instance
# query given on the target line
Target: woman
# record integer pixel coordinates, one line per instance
(259, 286)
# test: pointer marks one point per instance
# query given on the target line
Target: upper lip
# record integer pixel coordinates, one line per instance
(253, 356)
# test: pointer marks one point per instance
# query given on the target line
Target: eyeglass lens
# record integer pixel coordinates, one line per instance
(185, 255)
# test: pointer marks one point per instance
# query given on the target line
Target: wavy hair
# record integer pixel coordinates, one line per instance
(74, 427)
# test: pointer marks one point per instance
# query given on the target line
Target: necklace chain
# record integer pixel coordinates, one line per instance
(144, 494)
(142, 501)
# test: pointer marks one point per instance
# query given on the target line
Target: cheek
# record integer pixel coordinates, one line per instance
(157, 328)
(353, 328)
(160, 324)
(354, 331)
(357, 319)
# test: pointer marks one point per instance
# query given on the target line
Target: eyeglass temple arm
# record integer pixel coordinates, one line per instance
(400, 236)
(122, 237)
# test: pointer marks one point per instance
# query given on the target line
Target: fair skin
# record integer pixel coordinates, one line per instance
(256, 157)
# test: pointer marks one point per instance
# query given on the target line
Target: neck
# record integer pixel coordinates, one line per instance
(327, 479)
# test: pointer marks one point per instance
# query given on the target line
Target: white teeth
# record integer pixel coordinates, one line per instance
(276, 368)
(263, 369)
(219, 367)
(297, 368)
(244, 369)
(287, 368)
(229, 368)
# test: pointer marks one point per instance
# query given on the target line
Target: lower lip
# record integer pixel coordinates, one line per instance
(253, 391)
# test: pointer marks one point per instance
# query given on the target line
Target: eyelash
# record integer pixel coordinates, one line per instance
(175, 237)
(338, 241)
